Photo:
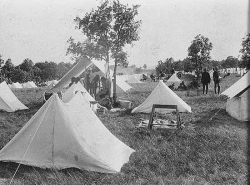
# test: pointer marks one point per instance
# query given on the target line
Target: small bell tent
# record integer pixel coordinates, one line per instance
(163, 95)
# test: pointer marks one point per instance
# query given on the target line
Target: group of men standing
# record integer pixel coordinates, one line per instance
(206, 79)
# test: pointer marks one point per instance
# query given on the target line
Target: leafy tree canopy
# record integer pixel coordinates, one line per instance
(245, 51)
(108, 29)
(199, 51)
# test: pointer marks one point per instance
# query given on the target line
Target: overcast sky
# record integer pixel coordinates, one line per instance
(39, 29)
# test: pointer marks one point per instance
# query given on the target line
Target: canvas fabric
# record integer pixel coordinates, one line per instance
(8, 101)
(132, 79)
(241, 85)
(29, 85)
(67, 135)
(174, 79)
(239, 107)
(69, 94)
(16, 85)
(163, 95)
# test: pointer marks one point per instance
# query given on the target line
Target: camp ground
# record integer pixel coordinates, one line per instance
(115, 92)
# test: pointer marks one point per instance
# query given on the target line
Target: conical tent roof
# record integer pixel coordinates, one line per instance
(16, 85)
(68, 135)
(28, 85)
(163, 95)
(238, 87)
(173, 79)
(8, 101)
(69, 94)
(132, 79)
(32, 84)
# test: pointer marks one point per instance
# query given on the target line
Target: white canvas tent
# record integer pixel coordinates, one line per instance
(132, 79)
(238, 106)
(8, 101)
(29, 84)
(80, 67)
(16, 85)
(70, 93)
(163, 95)
(69, 135)
(121, 83)
(174, 80)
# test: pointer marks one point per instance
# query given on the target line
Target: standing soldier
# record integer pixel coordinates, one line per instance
(205, 80)
(216, 80)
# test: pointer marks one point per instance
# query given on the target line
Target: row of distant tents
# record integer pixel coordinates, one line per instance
(46, 139)
(31, 84)
(17, 85)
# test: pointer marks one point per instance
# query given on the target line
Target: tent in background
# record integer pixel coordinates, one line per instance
(68, 135)
(29, 84)
(174, 79)
(132, 79)
(16, 85)
(119, 82)
(78, 69)
(32, 84)
(238, 106)
(8, 101)
(163, 95)
(70, 93)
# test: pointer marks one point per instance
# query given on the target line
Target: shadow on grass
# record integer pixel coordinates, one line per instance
(218, 117)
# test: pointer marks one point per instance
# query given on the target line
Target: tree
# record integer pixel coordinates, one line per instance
(7, 69)
(230, 62)
(199, 52)
(47, 70)
(108, 29)
(245, 58)
(165, 67)
(26, 65)
(145, 66)
(19, 75)
(1, 61)
(1, 74)
(187, 64)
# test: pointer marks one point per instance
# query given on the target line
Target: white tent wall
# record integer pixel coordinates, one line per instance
(163, 95)
(69, 94)
(32, 84)
(68, 135)
(121, 83)
(81, 66)
(127, 77)
(174, 80)
(16, 85)
(4, 106)
(27, 85)
(9, 101)
(237, 87)
(132, 79)
(239, 107)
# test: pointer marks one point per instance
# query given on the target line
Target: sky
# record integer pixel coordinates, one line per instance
(39, 29)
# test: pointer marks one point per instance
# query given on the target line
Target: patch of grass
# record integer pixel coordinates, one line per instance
(204, 152)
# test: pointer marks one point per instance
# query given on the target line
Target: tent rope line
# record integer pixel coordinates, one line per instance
(28, 146)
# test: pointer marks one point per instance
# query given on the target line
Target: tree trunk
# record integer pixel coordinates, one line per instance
(114, 83)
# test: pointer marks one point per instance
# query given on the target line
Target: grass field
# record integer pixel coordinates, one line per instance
(204, 152)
